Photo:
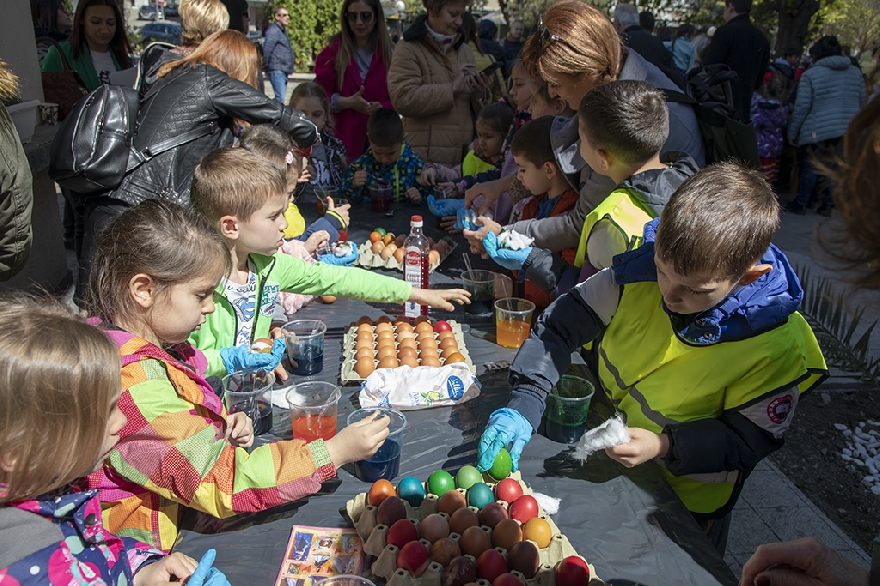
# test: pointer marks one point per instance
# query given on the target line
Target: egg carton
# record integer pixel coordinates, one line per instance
(370, 260)
(384, 567)
(349, 339)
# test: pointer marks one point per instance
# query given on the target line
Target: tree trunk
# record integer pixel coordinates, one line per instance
(794, 23)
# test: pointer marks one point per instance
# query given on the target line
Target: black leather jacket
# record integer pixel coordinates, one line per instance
(189, 99)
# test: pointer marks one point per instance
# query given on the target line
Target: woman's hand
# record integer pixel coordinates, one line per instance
(448, 223)
(439, 298)
(479, 84)
(358, 441)
(463, 79)
(356, 102)
(643, 445)
(805, 562)
(239, 430)
(341, 211)
(490, 190)
(178, 565)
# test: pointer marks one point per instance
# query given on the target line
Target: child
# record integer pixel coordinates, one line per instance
(61, 419)
(697, 340)
(156, 269)
(543, 105)
(623, 125)
(538, 172)
(389, 161)
(328, 160)
(770, 117)
(243, 195)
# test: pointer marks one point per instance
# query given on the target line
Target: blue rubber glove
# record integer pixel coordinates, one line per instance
(206, 574)
(466, 220)
(444, 207)
(509, 259)
(332, 259)
(506, 426)
(241, 359)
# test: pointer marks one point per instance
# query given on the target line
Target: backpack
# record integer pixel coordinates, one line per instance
(725, 137)
(92, 151)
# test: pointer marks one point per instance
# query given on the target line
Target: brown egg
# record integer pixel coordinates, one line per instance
(383, 320)
(454, 357)
(365, 329)
(430, 361)
(434, 527)
(410, 361)
(474, 541)
(422, 318)
(447, 342)
(363, 353)
(384, 327)
(405, 335)
(406, 351)
(449, 351)
(408, 343)
(385, 335)
(429, 349)
(378, 247)
(425, 336)
(538, 530)
(388, 251)
(433, 257)
(385, 351)
(364, 366)
(443, 550)
(442, 334)
(364, 320)
(403, 326)
(388, 362)
(451, 501)
(507, 533)
(462, 519)
(399, 253)
(401, 238)
(363, 343)
(424, 326)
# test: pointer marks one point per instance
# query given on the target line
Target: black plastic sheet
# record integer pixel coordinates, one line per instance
(627, 522)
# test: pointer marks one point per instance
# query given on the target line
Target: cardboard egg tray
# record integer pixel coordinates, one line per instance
(369, 260)
(350, 338)
(384, 557)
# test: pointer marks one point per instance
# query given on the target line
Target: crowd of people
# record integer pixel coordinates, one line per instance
(658, 267)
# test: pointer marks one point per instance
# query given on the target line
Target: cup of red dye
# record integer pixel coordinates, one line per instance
(313, 409)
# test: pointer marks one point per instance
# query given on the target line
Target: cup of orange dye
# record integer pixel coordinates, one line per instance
(313, 409)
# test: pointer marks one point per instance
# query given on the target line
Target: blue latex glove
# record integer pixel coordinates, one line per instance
(509, 259)
(506, 426)
(206, 574)
(466, 220)
(241, 359)
(332, 259)
(444, 207)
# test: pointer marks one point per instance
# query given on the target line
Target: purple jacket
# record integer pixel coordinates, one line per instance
(770, 119)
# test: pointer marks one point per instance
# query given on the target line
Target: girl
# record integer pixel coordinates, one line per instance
(544, 105)
(770, 117)
(61, 377)
(328, 159)
(155, 272)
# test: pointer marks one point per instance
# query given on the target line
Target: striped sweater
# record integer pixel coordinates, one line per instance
(172, 452)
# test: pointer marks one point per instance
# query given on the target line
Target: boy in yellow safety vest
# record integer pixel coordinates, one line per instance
(623, 126)
(697, 339)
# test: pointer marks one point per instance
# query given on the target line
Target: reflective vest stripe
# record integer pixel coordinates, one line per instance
(626, 211)
(655, 416)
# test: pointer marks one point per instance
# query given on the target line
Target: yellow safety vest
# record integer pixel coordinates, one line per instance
(627, 212)
(657, 378)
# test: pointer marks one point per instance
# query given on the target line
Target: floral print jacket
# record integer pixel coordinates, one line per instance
(84, 553)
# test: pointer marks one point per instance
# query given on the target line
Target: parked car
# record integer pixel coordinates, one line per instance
(167, 32)
(171, 11)
(147, 12)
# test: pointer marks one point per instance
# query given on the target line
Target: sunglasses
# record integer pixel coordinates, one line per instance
(366, 16)
(545, 36)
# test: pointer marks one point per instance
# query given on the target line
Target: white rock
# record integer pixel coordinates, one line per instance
(845, 457)
(876, 489)
(847, 432)
(840, 426)
(857, 461)
(847, 452)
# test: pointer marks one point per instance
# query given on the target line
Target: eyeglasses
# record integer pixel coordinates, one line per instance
(283, 15)
(546, 36)
(366, 16)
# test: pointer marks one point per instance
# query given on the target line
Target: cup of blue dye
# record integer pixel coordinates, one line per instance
(305, 345)
(250, 393)
(386, 462)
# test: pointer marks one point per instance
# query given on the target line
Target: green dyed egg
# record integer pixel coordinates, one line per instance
(411, 490)
(440, 481)
(479, 495)
(467, 477)
(501, 466)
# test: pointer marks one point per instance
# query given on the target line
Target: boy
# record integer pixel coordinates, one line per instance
(389, 161)
(696, 339)
(623, 126)
(244, 195)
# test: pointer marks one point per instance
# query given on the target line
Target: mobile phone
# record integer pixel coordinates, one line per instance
(493, 67)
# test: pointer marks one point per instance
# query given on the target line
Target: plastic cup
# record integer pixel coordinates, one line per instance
(513, 321)
(250, 393)
(313, 409)
(380, 198)
(343, 234)
(567, 407)
(481, 286)
(322, 192)
(346, 580)
(386, 462)
(305, 345)
(503, 286)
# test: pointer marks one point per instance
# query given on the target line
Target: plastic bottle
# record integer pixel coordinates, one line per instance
(415, 265)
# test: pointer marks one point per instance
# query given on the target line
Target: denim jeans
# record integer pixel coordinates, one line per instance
(278, 79)
(816, 159)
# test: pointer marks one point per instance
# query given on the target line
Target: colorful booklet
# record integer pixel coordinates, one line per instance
(316, 553)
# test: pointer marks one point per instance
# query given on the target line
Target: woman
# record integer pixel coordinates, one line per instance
(97, 46)
(435, 85)
(829, 94)
(353, 70)
(575, 49)
(201, 95)
(483, 59)
(682, 49)
(51, 19)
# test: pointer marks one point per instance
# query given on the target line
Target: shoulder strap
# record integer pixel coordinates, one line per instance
(50, 41)
(139, 157)
(678, 97)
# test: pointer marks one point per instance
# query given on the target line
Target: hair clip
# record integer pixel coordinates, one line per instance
(289, 158)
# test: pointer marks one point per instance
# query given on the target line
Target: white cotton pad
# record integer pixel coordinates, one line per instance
(611, 433)
(548, 503)
(514, 240)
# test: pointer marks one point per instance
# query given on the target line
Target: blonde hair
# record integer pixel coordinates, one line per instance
(229, 51)
(274, 144)
(574, 39)
(199, 19)
(59, 377)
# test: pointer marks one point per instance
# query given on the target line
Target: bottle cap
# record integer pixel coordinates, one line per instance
(417, 220)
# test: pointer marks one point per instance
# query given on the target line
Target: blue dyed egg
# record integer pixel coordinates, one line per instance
(411, 490)
(479, 495)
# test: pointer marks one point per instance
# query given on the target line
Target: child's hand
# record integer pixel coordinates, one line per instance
(358, 441)
(643, 445)
(276, 332)
(206, 574)
(414, 195)
(318, 239)
(448, 223)
(239, 430)
(359, 178)
(342, 211)
(439, 297)
(489, 225)
(427, 177)
(450, 188)
(178, 565)
(475, 240)
(306, 174)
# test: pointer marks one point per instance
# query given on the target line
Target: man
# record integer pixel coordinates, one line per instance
(486, 30)
(647, 21)
(513, 44)
(277, 53)
(626, 19)
(742, 47)
(788, 63)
